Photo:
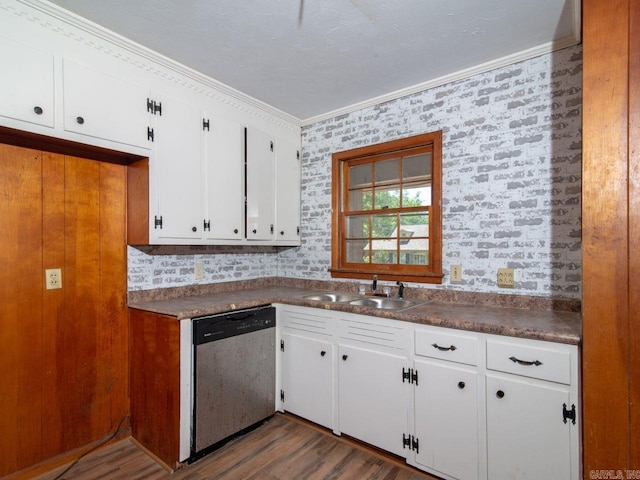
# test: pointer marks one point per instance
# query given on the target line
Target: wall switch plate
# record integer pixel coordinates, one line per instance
(505, 277)
(53, 277)
(198, 270)
(455, 273)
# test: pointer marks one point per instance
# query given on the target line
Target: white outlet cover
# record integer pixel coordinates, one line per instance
(53, 278)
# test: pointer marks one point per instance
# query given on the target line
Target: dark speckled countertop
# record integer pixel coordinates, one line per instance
(526, 317)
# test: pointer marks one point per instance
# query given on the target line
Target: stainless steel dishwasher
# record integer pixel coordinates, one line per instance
(234, 369)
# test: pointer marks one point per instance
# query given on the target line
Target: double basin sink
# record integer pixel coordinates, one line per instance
(382, 303)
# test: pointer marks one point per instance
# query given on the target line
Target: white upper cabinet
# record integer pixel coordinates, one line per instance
(177, 135)
(287, 192)
(101, 105)
(260, 185)
(26, 84)
(224, 161)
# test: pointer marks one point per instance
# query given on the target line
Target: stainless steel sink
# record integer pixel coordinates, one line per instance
(385, 303)
(332, 297)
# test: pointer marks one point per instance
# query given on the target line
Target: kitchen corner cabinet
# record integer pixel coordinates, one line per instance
(308, 378)
(260, 168)
(287, 192)
(26, 84)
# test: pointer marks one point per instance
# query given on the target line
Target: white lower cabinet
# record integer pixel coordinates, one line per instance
(447, 419)
(307, 378)
(460, 405)
(372, 400)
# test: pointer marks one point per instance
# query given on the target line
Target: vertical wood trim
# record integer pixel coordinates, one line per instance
(605, 235)
(114, 318)
(53, 300)
(20, 307)
(155, 383)
(634, 232)
(138, 203)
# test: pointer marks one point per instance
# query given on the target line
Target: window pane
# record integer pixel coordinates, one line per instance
(357, 251)
(358, 226)
(359, 200)
(416, 167)
(385, 256)
(360, 175)
(387, 198)
(384, 225)
(416, 195)
(388, 171)
(414, 239)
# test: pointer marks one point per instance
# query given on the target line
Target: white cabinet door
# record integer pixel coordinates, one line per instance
(526, 436)
(307, 378)
(26, 84)
(446, 419)
(177, 153)
(224, 162)
(287, 192)
(102, 106)
(373, 399)
(260, 185)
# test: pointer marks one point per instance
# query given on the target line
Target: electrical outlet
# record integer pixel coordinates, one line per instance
(198, 270)
(505, 277)
(53, 278)
(455, 273)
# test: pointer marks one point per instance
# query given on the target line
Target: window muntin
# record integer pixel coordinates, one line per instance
(386, 210)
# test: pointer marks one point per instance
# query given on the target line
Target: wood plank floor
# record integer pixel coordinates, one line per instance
(284, 448)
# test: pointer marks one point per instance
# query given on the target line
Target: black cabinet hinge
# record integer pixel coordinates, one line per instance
(410, 442)
(153, 107)
(158, 222)
(410, 375)
(282, 345)
(271, 146)
(568, 414)
(206, 225)
(272, 229)
(150, 134)
(282, 395)
(205, 124)
(297, 230)
(298, 154)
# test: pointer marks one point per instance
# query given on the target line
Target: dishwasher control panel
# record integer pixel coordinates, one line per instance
(216, 327)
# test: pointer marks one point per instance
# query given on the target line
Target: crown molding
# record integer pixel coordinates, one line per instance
(113, 38)
(449, 78)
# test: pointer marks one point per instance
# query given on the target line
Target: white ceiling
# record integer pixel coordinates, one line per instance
(314, 58)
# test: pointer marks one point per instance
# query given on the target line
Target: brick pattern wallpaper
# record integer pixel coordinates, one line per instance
(511, 174)
(511, 184)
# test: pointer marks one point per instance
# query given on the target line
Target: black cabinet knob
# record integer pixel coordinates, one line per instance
(500, 394)
(323, 353)
(461, 385)
(38, 110)
(344, 357)
(255, 231)
(80, 120)
(194, 229)
(281, 232)
(235, 230)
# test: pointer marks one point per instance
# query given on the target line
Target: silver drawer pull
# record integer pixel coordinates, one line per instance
(444, 349)
(524, 362)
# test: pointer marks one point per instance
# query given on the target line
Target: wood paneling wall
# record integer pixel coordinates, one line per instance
(611, 235)
(64, 355)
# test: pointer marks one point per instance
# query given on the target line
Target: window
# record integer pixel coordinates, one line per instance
(386, 211)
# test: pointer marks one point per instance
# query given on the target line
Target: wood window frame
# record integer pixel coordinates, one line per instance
(431, 273)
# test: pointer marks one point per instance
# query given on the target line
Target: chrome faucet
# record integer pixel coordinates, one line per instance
(374, 284)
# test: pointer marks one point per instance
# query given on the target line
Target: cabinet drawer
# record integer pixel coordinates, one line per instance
(535, 361)
(439, 343)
